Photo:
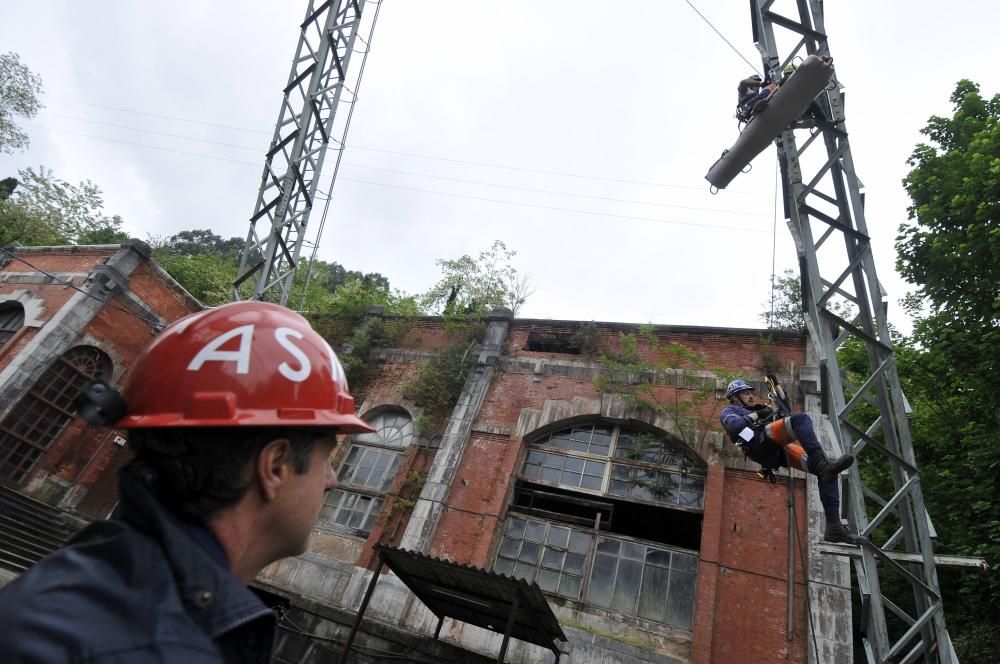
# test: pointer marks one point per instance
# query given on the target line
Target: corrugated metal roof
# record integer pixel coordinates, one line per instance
(476, 596)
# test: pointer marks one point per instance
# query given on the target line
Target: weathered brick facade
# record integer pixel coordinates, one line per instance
(472, 479)
(114, 288)
(456, 491)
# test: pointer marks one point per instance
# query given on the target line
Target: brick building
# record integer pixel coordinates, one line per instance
(651, 537)
(69, 314)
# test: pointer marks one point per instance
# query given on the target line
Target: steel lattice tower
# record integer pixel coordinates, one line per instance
(825, 208)
(294, 161)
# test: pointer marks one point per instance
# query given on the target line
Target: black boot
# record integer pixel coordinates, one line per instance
(827, 469)
(838, 533)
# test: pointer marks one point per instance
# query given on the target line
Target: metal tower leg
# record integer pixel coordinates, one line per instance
(293, 163)
(825, 207)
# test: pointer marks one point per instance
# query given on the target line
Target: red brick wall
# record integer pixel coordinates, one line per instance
(741, 603)
(739, 351)
(15, 345)
(64, 259)
(80, 453)
(741, 609)
(425, 335)
(476, 502)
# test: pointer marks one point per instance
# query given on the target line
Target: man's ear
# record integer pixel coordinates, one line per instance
(273, 467)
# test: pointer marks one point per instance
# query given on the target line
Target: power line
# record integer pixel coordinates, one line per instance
(159, 115)
(735, 50)
(401, 172)
(430, 157)
(144, 145)
(153, 131)
(396, 186)
(561, 209)
(555, 193)
(156, 325)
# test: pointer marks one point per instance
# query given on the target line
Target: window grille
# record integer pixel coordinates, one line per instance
(634, 578)
(618, 461)
(35, 422)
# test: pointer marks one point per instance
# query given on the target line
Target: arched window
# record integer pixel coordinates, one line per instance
(11, 320)
(42, 414)
(609, 515)
(368, 469)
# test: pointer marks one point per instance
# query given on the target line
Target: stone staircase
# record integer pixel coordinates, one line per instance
(29, 530)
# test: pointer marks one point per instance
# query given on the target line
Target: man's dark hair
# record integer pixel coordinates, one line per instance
(199, 472)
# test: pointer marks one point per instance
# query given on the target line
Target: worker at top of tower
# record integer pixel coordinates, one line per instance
(233, 415)
(774, 442)
(754, 94)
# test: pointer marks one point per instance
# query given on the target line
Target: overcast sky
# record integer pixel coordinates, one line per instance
(614, 111)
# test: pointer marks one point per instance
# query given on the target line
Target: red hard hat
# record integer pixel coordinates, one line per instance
(247, 364)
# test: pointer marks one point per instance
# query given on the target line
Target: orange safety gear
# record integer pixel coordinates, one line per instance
(244, 364)
(782, 433)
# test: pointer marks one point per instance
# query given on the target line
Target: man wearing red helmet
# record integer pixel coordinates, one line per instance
(233, 413)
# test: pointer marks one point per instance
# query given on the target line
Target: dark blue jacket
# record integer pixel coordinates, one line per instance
(735, 418)
(137, 588)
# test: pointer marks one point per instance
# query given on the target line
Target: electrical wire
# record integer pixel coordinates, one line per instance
(735, 50)
(562, 209)
(805, 576)
(430, 157)
(156, 325)
(144, 145)
(429, 191)
(774, 240)
(389, 170)
(159, 115)
(152, 131)
(743, 213)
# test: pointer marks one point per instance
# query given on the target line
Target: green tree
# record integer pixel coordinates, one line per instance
(950, 250)
(475, 286)
(19, 93)
(784, 308)
(46, 210)
(204, 241)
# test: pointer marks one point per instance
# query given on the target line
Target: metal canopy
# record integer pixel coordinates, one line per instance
(471, 595)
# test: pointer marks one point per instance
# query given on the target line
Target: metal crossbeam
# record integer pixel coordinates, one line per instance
(824, 203)
(293, 163)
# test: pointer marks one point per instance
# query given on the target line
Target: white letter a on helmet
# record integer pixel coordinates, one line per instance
(241, 356)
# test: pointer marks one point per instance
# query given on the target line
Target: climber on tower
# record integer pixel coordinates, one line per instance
(789, 441)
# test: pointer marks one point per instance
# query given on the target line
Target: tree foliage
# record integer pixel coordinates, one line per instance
(41, 209)
(20, 89)
(475, 286)
(951, 251)
(784, 308)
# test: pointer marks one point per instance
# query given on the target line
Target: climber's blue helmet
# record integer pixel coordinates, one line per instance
(737, 386)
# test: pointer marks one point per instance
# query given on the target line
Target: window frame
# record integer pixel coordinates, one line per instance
(11, 311)
(682, 472)
(686, 565)
(335, 501)
(45, 409)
